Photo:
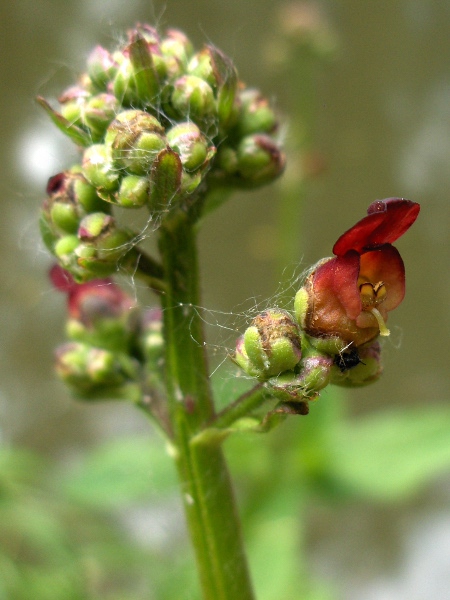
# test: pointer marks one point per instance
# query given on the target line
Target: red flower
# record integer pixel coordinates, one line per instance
(349, 296)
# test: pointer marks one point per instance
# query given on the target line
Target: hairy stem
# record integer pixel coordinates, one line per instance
(205, 483)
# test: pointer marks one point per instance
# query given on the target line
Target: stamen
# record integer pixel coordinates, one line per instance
(384, 331)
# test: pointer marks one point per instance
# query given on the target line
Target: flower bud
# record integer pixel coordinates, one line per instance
(190, 144)
(102, 245)
(99, 170)
(177, 45)
(259, 160)
(255, 115)
(193, 98)
(101, 67)
(270, 346)
(70, 198)
(311, 376)
(98, 113)
(133, 191)
(201, 66)
(87, 369)
(135, 138)
(358, 367)
(214, 67)
(72, 103)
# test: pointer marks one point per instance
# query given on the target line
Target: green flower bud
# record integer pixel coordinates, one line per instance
(66, 246)
(358, 367)
(99, 170)
(133, 191)
(191, 145)
(256, 115)
(227, 160)
(72, 103)
(177, 45)
(270, 346)
(135, 138)
(70, 198)
(101, 67)
(190, 182)
(87, 369)
(193, 98)
(102, 245)
(98, 113)
(314, 374)
(133, 123)
(259, 159)
(124, 84)
(201, 66)
(218, 71)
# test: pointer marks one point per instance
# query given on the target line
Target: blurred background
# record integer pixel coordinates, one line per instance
(366, 100)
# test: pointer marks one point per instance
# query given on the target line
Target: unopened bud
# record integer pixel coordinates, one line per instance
(70, 198)
(256, 114)
(99, 170)
(259, 159)
(133, 191)
(193, 98)
(135, 138)
(101, 67)
(190, 144)
(270, 346)
(87, 369)
(102, 245)
(98, 113)
(177, 45)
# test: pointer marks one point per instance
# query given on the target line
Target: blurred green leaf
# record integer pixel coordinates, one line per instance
(392, 454)
(123, 471)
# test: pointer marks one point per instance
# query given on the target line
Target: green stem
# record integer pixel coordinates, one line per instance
(241, 407)
(205, 482)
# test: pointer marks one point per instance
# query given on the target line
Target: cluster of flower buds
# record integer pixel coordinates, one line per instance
(78, 228)
(110, 340)
(340, 312)
(157, 122)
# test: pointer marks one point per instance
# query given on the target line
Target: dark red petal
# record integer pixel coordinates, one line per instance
(336, 281)
(400, 215)
(386, 222)
(385, 264)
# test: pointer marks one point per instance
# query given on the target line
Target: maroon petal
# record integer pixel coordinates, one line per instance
(400, 215)
(386, 222)
(336, 286)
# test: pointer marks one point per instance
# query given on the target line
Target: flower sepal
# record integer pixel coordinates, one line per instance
(358, 368)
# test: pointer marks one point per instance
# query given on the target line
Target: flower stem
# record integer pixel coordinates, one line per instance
(206, 489)
(242, 406)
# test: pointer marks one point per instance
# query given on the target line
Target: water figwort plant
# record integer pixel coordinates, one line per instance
(170, 132)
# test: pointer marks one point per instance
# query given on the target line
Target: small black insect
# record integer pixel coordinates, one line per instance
(347, 360)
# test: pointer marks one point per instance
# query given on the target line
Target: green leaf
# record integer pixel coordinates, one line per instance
(147, 84)
(77, 135)
(166, 179)
(392, 454)
(121, 472)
